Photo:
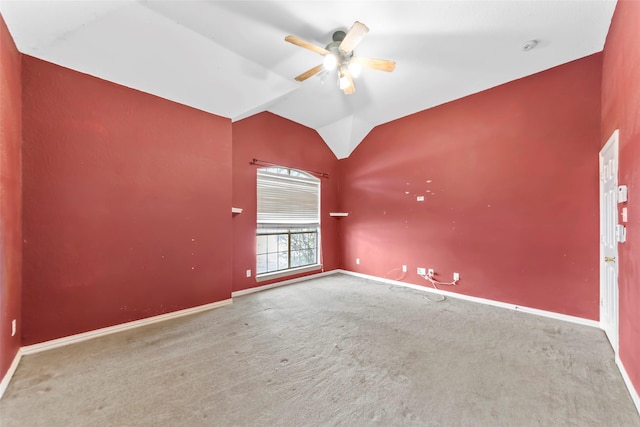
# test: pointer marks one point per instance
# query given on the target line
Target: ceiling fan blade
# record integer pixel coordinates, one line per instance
(305, 44)
(376, 64)
(354, 36)
(309, 73)
(350, 87)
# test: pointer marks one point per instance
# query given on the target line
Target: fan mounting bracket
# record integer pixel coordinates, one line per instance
(338, 36)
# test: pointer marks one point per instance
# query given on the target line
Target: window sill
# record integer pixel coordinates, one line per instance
(284, 273)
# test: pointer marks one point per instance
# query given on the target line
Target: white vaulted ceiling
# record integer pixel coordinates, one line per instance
(230, 58)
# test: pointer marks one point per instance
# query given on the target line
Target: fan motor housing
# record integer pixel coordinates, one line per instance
(334, 49)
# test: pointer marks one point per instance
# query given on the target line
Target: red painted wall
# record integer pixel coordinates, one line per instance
(126, 204)
(510, 180)
(271, 138)
(10, 197)
(621, 110)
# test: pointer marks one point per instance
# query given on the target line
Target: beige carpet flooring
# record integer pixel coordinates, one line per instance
(333, 351)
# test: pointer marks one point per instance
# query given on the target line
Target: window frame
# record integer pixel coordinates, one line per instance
(270, 229)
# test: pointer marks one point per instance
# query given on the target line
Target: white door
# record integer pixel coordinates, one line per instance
(608, 240)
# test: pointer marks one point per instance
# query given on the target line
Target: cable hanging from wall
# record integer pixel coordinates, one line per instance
(435, 284)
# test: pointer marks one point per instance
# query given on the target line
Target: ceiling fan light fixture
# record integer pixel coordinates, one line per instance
(343, 82)
(355, 69)
(339, 55)
(330, 62)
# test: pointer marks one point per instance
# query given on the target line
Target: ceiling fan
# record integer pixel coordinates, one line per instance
(339, 55)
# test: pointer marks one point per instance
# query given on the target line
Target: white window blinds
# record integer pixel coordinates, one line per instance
(286, 201)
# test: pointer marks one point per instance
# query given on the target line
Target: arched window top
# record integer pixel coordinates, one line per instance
(288, 172)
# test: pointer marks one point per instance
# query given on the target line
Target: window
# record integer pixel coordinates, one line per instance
(288, 222)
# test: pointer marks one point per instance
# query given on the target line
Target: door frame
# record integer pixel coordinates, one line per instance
(612, 143)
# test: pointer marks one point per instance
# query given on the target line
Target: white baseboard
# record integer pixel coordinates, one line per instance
(551, 314)
(12, 369)
(632, 391)
(72, 339)
(283, 283)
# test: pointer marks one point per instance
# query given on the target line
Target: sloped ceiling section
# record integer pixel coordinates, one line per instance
(230, 58)
(344, 135)
(131, 44)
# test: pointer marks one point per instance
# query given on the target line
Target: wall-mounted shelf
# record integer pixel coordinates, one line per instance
(339, 214)
(236, 210)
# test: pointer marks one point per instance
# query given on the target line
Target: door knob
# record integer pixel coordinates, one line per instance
(609, 259)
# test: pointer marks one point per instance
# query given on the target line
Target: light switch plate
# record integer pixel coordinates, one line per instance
(621, 233)
(622, 193)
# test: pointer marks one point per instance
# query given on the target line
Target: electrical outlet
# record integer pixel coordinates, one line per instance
(404, 268)
(456, 277)
(422, 271)
(357, 260)
(431, 272)
(13, 328)
(248, 273)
